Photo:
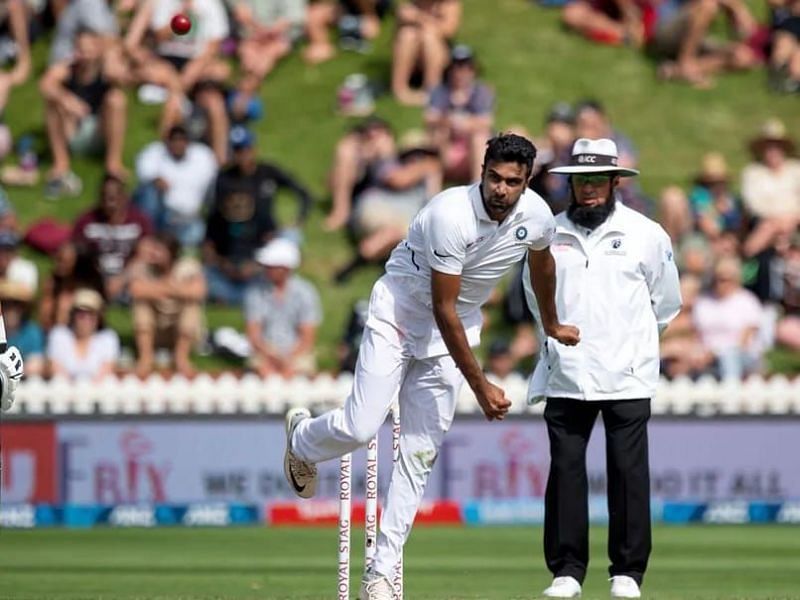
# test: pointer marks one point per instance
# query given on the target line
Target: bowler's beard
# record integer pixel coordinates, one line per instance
(590, 217)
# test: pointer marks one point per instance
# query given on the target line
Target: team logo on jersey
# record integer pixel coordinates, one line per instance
(669, 255)
(615, 248)
(521, 233)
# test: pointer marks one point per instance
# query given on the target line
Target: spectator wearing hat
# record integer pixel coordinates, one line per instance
(12, 266)
(175, 178)
(282, 313)
(500, 361)
(771, 187)
(22, 331)
(85, 113)
(242, 218)
(167, 292)
(188, 66)
(617, 280)
(84, 348)
(424, 31)
(460, 116)
(711, 206)
(109, 232)
(553, 150)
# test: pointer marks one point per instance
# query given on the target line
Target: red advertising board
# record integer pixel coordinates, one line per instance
(326, 512)
(29, 453)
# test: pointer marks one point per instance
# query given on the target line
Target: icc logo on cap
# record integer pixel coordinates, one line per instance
(521, 233)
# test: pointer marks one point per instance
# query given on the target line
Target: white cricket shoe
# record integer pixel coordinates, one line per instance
(375, 587)
(302, 476)
(623, 586)
(563, 587)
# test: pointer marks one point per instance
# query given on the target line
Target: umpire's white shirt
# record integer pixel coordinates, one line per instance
(453, 234)
(619, 285)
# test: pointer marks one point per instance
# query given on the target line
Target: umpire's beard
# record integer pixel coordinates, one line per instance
(590, 217)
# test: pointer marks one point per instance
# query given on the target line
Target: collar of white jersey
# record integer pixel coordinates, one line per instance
(480, 209)
(615, 223)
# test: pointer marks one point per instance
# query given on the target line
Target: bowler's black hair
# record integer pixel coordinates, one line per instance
(510, 147)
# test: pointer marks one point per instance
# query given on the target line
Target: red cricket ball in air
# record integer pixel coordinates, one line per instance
(181, 24)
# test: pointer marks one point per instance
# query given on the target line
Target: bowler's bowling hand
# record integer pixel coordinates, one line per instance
(493, 401)
(569, 335)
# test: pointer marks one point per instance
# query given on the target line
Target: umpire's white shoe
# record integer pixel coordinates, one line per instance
(375, 587)
(563, 587)
(302, 476)
(623, 586)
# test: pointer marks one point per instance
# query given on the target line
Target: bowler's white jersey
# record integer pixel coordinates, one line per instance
(453, 234)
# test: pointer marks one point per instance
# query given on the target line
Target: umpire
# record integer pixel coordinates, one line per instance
(617, 282)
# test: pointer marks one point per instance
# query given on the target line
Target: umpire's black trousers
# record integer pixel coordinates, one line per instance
(566, 522)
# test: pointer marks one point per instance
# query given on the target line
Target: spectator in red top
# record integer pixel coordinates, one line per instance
(613, 22)
(110, 232)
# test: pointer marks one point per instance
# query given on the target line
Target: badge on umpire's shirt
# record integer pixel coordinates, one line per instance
(521, 233)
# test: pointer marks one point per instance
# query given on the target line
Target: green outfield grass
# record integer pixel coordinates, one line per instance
(493, 563)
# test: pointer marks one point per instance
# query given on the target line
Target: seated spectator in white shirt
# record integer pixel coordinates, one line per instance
(84, 349)
(728, 321)
(282, 313)
(175, 178)
(771, 187)
(188, 66)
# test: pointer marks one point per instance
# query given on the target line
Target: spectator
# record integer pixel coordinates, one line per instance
(12, 266)
(84, 349)
(682, 44)
(354, 331)
(79, 15)
(613, 22)
(268, 31)
(425, 29)
(592, 122)
(14, 19)
(187, 66)
(242, 218)
(500, 361)
(393, 187)
(282, 314)
(108, 234)
(554, 150)
(784, 59)
(771, 187)
(711, 207)
(460, 116)
(728, 321)
(8, 216)
(71, 271)
(167, 293)
(84, 113)
(682, 352)
(21, 330)
(788, 328)
(357, 20)
(175, 178)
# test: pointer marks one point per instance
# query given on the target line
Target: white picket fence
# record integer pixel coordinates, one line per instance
(250, 394)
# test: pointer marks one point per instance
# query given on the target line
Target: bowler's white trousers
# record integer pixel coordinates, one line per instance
(427, 390)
